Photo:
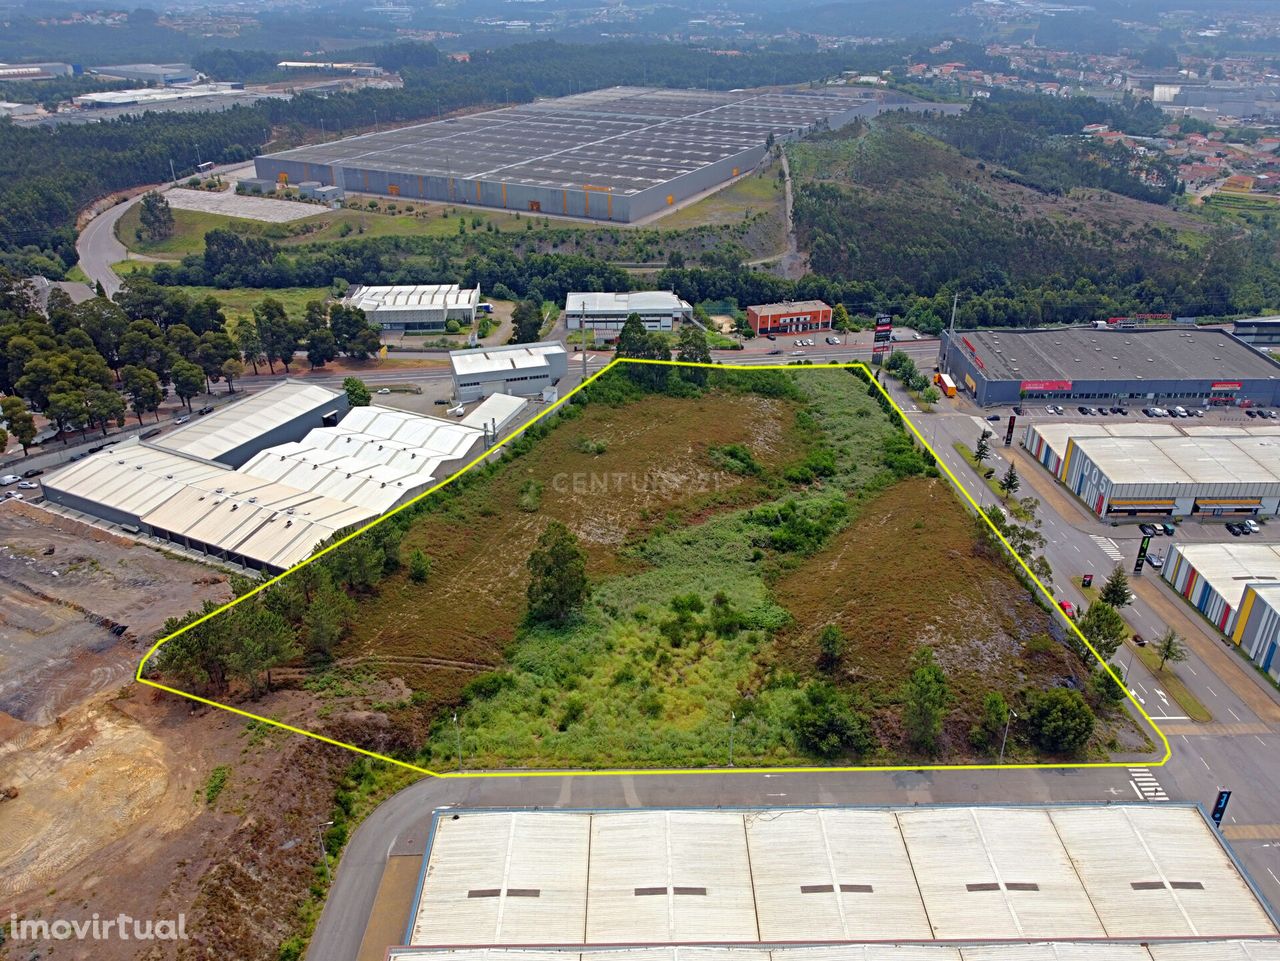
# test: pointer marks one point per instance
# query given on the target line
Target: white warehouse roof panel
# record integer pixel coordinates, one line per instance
(417, 297)
(228, 428)
(500, 360)
(981, 876)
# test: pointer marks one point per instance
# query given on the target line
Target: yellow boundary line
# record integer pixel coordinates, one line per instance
(617, 771)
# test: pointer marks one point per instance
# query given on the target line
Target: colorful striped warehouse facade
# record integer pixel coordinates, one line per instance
(1237, 589)
(1132, 470)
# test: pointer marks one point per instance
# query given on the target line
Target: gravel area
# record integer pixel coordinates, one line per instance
(237, 205)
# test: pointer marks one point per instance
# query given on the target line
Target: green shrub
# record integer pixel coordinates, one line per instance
(217, 781)
(826, 723)
(1060, 720)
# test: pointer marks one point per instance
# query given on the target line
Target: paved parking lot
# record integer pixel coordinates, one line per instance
(232, 204)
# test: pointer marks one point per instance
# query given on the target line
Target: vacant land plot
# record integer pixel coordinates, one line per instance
(610, 476)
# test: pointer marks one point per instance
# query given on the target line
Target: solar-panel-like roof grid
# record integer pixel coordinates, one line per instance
(625, 139)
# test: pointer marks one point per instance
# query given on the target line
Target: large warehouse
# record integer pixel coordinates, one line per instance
(1156, 470)
(1088, 882)
(605, 313)
(1139, 367)
(1236, 586)
(523, 370)
(618, 154)
(253, 486)
(418, 307)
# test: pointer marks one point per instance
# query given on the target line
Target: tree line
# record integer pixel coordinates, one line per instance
(84, 366)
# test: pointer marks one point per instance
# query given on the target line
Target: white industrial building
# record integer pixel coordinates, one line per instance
(260, 483)
(524, 370)
(1236, 586)
(929, 883)
(495, 414)
(1159, 470)
(234, 433)
(605, 313)
(418, 307)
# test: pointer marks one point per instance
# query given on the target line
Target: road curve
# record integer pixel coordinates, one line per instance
(98, 247)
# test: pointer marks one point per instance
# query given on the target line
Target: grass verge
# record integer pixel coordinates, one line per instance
(1173, 685)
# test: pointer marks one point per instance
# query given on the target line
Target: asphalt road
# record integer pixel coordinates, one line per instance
(98, 247)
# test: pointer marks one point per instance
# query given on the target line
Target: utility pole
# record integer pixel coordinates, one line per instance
(199, 159)
(458, 731)
(324, 855)
(732, 719)
(171, 171)
(1007, 721)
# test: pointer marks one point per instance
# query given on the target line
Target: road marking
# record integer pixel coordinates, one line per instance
(1108, 546)
(1145, 784)
(1234, 714)
(1168, 717)
(1273, 876)
(1259, 740)
(1205, 763)
(1213, 692)
(1192, 670)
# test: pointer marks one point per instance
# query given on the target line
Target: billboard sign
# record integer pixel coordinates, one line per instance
(1226, 385)
(1142, 554)
(882, 338)
(1038, 385)
(1220, 806)
(971, 383)
(1008, 434)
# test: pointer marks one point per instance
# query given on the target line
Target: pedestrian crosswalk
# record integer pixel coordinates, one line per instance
(1108, 546)
(1146, 785)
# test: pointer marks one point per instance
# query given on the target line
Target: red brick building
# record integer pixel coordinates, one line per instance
(795, 317)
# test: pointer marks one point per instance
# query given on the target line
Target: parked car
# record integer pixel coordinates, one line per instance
(1082, 409)
(8, 479)
(1017, 409)
(1148, 529)
(181, 420)
(384, 390)
(28, 485)
(1179, 411)
(1250, 412)
(1196, 412)
(1254, 526)
(1068, 608)
(1271, 414)
(1139, 640)
(1234, 529)
(994, 418)
(797, 353)
(1168, 529)
(1147, 412)
(33, 472)
(1155, 560)
(207, 409)
(1051, 408)
(441, 401)
(771, 337)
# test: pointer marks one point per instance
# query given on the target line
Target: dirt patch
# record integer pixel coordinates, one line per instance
(911, 573)
(76, 604)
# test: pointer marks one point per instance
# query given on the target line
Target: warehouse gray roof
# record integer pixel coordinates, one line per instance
(621, 140)
(1083, 353)
(922, 874)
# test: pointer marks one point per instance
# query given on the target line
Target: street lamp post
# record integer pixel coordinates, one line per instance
(732, 720)
(1007, 721)
(324, 855)
(458, 731)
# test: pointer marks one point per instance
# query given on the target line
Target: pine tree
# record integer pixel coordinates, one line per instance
(1010, 482)
(982, 452)
(1116, 591)
(926, 702)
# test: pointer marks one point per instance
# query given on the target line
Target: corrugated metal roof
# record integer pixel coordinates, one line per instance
(230, 427)
(633, 301)
(443, 437)
(499, 407)
(271, 523)
(498, 360)
(1214, 950)
(984, 874)
(131, 477)
(383, 299)
(1228, 568)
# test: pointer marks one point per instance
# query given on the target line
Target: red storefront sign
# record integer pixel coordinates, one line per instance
(1064, 385)
(1227, 385)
